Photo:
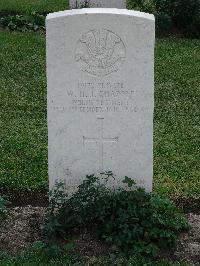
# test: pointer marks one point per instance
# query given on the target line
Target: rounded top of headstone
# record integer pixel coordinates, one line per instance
(111, 11)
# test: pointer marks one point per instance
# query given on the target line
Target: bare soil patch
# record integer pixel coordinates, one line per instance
(21, 228)
(188, 245)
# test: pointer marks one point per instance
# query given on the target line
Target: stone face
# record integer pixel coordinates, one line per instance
(97, 3)
(100, 73)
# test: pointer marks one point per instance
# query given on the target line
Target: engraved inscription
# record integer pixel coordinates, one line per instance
(101, 97)
(100, 52)
(101, 140)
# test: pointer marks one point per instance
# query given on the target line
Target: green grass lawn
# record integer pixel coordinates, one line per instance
(58, 257)
(23, 134)
(28, 6)
(177, 117)
(54, 257)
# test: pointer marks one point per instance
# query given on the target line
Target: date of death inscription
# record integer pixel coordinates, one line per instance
(98, 98)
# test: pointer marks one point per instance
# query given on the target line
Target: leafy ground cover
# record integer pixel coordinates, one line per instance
(23, 135)
(22, 242)
(27, 6)
(21, 230)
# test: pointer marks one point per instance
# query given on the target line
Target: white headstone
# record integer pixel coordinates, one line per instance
(97, 3)
(100, 72)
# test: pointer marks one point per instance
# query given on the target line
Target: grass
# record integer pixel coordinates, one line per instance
(177, 118)
(28, 6)
(35, 256)
(23, 134)
(57, 257)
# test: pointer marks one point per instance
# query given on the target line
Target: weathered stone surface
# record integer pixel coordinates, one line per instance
(100, 71)
(98, 3)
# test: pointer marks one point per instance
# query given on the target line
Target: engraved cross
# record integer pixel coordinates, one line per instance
(100, 140)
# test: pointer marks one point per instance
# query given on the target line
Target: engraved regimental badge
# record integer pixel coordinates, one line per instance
(100, 52)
